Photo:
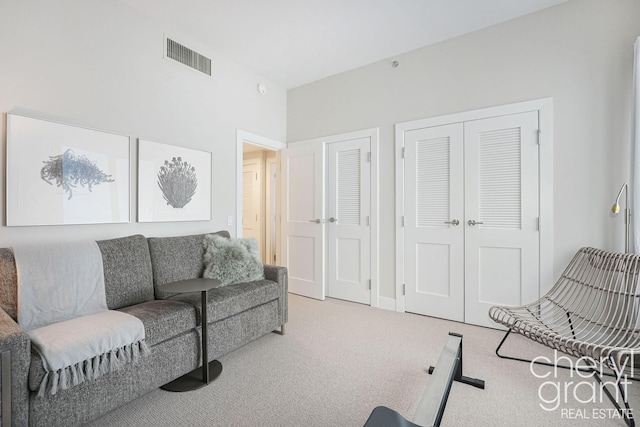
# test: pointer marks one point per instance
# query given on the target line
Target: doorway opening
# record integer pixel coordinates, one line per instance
(260, 207)
(258, 193)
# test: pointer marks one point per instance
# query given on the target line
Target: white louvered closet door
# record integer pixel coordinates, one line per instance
(502, 198)
(433, 229)
(347, 220)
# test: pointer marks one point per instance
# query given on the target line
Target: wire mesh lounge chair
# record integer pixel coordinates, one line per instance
(590, 313)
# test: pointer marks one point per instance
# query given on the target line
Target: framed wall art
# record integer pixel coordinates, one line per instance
(174, 183)
(63, 174)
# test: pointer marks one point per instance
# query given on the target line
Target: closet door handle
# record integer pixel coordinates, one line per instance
(317, 221)
(332, 219)
(473, 222)
(454, 222)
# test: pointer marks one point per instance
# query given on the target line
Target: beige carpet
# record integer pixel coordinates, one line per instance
(339, 360)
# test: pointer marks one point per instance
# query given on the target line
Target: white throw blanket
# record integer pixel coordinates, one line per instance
(58, 282)
(62, 306)
(87, 347)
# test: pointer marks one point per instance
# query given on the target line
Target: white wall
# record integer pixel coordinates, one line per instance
(99, 64)
(580, 53)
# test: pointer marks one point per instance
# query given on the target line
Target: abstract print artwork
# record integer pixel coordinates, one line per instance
(68, 171)
(178, 182)
(174, 183)
(63, 174)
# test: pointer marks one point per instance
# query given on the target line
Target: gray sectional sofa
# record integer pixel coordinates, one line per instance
(135, 268)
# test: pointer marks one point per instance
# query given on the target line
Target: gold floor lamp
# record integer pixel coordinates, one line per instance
(615, 210)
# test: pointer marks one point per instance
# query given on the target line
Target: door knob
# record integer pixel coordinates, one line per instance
(332, 219)
(473, 222)
(454, 222)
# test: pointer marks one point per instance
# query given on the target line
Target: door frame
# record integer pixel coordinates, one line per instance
(373, 135)
(267, 143)
(544, 107)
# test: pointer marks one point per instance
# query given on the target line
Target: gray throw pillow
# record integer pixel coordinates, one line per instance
(232, 260)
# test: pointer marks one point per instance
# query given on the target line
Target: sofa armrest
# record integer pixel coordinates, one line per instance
(279, 275)
(15, 348)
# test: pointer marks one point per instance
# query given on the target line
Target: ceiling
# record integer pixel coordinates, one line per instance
(294, 42)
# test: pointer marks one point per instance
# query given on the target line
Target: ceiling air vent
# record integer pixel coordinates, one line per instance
(188, 57)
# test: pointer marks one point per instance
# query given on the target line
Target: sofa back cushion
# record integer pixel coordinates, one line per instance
(177, 258)
(128, 277)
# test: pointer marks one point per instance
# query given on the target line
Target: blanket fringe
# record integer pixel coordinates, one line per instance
(92, 368)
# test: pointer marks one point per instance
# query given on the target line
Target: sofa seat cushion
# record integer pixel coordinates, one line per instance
(162, 320)
(226, 301)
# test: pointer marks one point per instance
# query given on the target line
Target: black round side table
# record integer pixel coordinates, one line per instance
(199, 377)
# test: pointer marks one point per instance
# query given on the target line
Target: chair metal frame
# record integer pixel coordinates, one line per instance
(592, 313)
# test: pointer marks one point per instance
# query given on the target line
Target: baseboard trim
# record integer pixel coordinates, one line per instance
(387, 303)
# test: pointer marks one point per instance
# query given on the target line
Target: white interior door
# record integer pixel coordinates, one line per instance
(471, 228)
(502, 211)
(348, 219)
(303, 242)
(271, 212)
(434, 230)
(251, 200)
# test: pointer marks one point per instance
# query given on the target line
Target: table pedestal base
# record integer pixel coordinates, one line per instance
(193, 380)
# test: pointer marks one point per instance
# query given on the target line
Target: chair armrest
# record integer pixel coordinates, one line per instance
(279, 275)
(15, 341)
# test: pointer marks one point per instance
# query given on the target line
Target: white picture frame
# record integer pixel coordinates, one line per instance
(61, 174)
(174, 183)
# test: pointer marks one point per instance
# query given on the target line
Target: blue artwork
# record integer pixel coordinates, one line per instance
(68, 171)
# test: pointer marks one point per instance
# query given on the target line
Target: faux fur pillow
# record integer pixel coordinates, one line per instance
(232, 260)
